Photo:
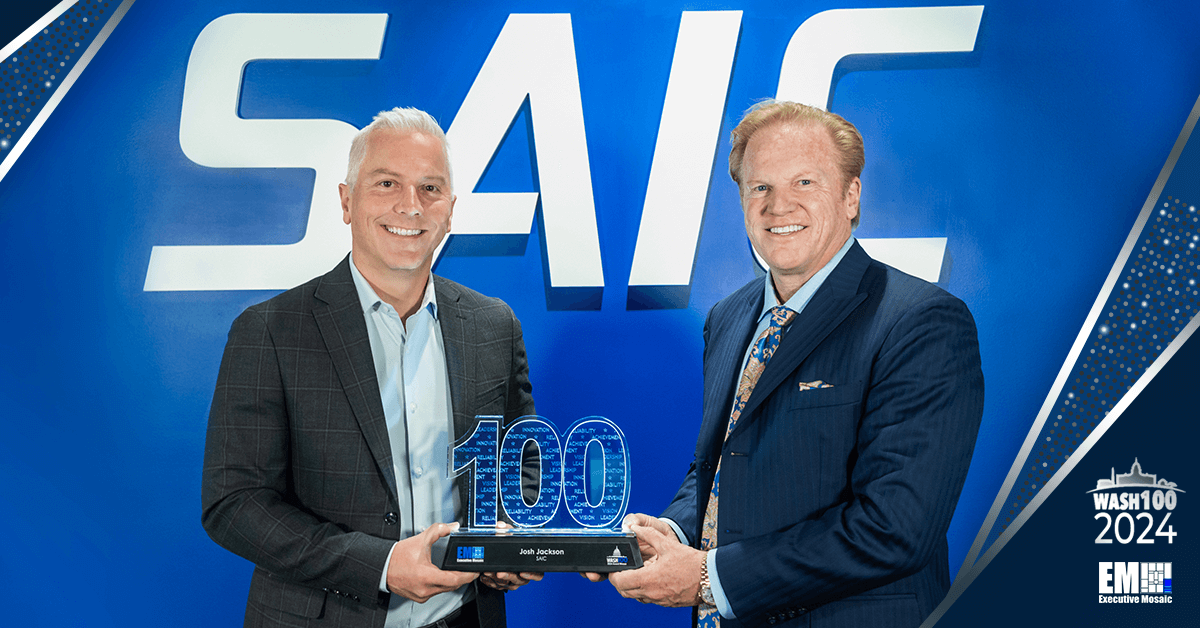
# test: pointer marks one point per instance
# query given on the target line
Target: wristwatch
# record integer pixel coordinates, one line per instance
(705, 594)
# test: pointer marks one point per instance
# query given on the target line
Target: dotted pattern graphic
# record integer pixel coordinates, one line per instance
(31, 74)
(1153, 300)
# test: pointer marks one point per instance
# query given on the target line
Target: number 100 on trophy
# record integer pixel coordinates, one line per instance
(566, 495)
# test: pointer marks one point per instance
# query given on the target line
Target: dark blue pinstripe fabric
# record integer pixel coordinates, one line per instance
(835, 501)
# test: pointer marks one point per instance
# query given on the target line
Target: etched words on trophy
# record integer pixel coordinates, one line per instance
(588, 471)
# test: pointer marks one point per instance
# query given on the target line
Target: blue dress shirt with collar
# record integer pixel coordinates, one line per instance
(410, 364)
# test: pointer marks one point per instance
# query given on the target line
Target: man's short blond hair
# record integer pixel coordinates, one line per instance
(397, 119)
(846, 139)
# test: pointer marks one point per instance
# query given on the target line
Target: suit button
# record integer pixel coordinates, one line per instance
(707, 466)
(390, 518)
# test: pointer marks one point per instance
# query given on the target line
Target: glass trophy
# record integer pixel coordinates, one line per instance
(573, 523)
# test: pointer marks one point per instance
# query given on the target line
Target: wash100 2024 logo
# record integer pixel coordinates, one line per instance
(1135, 492)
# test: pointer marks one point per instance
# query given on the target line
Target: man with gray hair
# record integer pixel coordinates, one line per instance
(336, 402)
(841, 403)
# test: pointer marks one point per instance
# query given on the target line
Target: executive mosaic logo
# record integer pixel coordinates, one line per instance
(1135, 583)
(469, 554)
(1135, 509)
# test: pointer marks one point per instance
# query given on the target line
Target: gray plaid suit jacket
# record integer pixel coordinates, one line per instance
(298, 472)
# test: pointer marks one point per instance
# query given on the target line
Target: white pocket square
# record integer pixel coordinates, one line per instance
(811, 385)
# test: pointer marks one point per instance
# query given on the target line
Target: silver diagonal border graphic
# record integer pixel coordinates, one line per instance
(972, 566)
(52, 102)
(42, 23)
(964, 581)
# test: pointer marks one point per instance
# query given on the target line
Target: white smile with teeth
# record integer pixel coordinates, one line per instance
(403, 232)
(787, 229)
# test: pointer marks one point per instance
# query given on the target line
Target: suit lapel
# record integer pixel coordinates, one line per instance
(729, 335)
(832, 303)
(340, 321)
(457, 327)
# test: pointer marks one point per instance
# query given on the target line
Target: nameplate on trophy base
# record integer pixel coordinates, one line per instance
(539, 550)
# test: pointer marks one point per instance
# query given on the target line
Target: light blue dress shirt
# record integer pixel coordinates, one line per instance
(410, 364)
(796, 303)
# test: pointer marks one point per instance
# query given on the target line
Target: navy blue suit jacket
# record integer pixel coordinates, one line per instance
(834, 502)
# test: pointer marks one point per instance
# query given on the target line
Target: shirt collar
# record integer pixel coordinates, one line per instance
(371, 302)
(810, 287)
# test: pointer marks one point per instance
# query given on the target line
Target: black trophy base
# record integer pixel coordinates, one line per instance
(536, 549)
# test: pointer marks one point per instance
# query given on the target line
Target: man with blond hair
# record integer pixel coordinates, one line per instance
(326, 456)
(842, 399)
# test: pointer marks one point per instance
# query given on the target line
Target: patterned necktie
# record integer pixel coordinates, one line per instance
(764, 348)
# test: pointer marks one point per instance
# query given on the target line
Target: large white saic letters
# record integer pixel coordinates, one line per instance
(532, 59)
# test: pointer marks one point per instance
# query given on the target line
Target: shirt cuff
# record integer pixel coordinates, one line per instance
(714, 582)
(678, 531)
(383, 579)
